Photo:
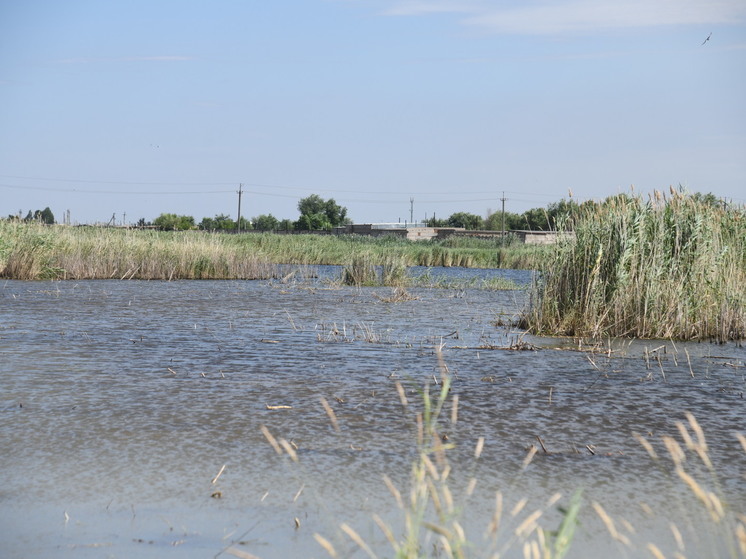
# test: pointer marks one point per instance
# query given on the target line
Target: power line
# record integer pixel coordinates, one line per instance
(88, 191)
(254, 192)
(203, 184)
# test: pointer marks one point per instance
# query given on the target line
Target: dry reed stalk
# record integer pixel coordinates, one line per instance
(544, 448)
(677, 537)
(655, 552)
(387, 532)
(674, 450)
(529, 524)
(241, 554)
(394, 491)
(326, 544)
(271, 439)
(355, 537)
(330, 413)
(289, 449)
(215, 479)
(302, 487)
(609, 523)
(684, 432)
(518, 507)
(529, 456)
(431, 469)
(741, 536)
(494, 525)
(478, 449)
(402, 394)
(646, 444)
(471, 487)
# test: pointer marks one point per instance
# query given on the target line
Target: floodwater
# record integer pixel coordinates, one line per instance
(123, 401)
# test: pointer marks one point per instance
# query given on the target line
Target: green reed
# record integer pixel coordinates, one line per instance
(669, 267)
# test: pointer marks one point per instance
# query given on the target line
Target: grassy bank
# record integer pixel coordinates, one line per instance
(32, 251)
(669, 267)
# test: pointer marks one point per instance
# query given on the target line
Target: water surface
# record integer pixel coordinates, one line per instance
(122, 401)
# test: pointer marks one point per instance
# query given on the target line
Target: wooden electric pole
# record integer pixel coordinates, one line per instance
(503, 217)
(238, 221)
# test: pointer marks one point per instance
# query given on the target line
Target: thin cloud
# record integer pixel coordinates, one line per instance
(165, 58)
(424, 7)
(98, 60)
(544, 18)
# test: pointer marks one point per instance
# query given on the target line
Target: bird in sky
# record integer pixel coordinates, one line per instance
(707, 39)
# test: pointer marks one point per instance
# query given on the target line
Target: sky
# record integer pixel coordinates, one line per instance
(396, 109)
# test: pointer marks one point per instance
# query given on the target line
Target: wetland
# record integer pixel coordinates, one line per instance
(135, 417)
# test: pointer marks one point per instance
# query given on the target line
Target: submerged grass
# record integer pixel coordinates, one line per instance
(33, 251)
(669, 267)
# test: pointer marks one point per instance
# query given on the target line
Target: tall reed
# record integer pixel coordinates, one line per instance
(34, 252)
(669, 267)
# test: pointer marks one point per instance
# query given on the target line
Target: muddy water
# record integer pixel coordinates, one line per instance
(122, 401)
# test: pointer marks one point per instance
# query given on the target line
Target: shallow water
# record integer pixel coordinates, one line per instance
(121, 402)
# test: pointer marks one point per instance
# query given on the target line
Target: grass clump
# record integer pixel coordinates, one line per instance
(669, 267)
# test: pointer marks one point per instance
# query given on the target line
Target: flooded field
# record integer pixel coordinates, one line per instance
(131, 417)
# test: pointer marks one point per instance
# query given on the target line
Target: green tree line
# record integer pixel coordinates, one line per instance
(317, 214)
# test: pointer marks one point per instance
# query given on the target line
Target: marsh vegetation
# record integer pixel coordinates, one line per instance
(31, 251)
(669, 267)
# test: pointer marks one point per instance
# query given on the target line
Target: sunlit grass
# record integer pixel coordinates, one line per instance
(669, 267)
(34, 251)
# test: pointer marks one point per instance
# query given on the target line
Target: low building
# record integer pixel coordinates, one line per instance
(418, 232)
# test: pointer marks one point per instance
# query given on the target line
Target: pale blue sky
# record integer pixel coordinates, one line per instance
(145, 107)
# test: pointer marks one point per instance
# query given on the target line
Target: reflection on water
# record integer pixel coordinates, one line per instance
(121, 402)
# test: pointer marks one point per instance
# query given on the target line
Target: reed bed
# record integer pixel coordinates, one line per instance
(671, 267)
(33, 251)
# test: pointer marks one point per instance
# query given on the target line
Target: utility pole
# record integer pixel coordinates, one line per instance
(238, 221)
(411, 210)
(503, 217)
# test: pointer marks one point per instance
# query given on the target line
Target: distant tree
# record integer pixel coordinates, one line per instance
(42, 216)
(46, 216)
(317, 213)
(466, 220)
(207, 224)
(246, 224)
(312, 222)
(285, 225)
(435, 222)
(220, 222)
(494, 221)
(562, 214)
(173, 222)
(265, 222)
(142, 223)
(535, 219)
(709, 199)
